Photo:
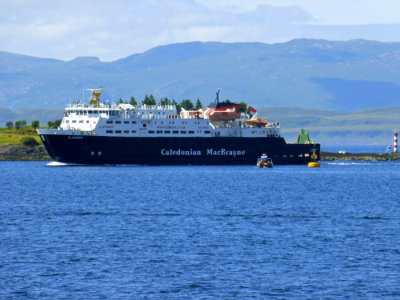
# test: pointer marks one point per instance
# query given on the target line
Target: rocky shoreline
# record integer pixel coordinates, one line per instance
(331, 156)
(23, 153)
(38, 153)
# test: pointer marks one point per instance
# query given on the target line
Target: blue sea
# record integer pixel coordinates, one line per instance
(200, 232)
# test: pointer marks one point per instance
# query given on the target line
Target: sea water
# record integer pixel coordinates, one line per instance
(200, 232)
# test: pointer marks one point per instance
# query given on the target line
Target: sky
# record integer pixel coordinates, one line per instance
(116, 29)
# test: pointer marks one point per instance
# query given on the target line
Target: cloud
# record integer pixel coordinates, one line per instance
(111, 30)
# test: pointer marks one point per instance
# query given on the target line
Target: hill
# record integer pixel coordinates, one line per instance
(364, 127)
(314, 74)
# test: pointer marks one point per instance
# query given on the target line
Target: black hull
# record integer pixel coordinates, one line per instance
(174, 151)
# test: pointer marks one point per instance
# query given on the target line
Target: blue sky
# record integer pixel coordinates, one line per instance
(115, 29)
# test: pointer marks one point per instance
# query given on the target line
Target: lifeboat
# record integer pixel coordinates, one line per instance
(257, 122)
(228, 115)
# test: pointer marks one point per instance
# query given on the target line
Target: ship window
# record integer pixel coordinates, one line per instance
(306, 155)
(254, 131)
(151, 131)
(290, 155)
(183, 131)
(109, 122)
(74, 121)
(159, 131)
(284, 155)
(117, 122)
(133, 131)
(207, 131)
(117, 131)
(87, 121)
(191, 132)
(126, 131)
(67, 121)
(167, 131)
(175, 131)
(300, 155)
(81, 121)
(126, 122)
(109, 131)
(133, 122)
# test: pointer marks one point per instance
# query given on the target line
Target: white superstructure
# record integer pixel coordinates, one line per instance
(160, 121)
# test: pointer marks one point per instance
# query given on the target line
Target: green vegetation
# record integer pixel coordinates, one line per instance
(29, 141)
(54, 124)
(17, 136)
(35, 124)
(20, 124)
(133, 101)
(186, 104)
(165, 101)
(149, 100)
(198, 105)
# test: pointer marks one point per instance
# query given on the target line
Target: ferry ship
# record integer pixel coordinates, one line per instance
(101, 133)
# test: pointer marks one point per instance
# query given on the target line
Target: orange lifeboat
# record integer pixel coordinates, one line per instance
(217, 115)
(257, 122)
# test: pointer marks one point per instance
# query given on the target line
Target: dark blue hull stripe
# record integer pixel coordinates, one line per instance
(174, 151)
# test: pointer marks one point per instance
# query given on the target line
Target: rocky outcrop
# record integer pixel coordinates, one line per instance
(330, 156)
(14, 153)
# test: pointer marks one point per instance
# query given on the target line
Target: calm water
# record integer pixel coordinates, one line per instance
(130, 232)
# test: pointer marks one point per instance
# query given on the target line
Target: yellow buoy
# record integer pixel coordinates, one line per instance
(314, 164)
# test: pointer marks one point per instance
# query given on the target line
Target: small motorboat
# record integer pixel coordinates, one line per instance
(265, 162)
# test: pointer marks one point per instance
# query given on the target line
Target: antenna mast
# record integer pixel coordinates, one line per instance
(217, 98)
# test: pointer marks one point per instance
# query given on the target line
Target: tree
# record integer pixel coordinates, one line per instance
(133, 101)
(165, 101)
(54, 124)
(198, 104)
(10, 125)
(29, 141)
(178, 107)
(186, 104)
(121, 101)
(35, 124)
(149, 100)
(20, 124)
(243, 107)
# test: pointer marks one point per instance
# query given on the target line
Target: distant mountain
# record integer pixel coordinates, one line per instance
(318, 74)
